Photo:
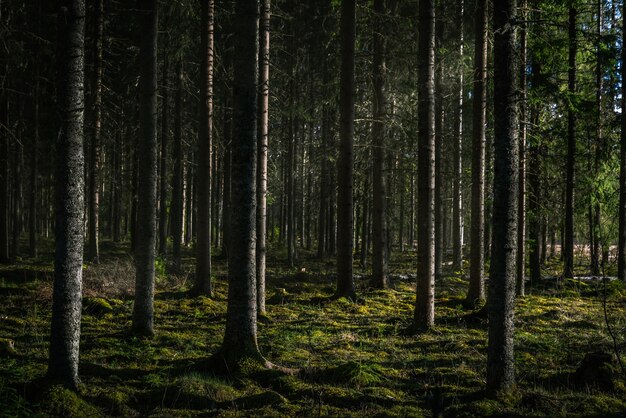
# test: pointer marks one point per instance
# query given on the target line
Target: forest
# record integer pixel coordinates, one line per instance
(342, 208)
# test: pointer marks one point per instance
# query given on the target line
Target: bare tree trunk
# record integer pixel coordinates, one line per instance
(240, 338)
(476, 291)
(143, 309)
(500, 359)
(4, 178)
(95, 149)
(69, 206)
(457, 196)
(32, 194)
(621, 249)
(379, 192)
(345, 163)
(262, 149)
(568, 244)
(425, 300)
(203, 284)
(176, 206)
(521, 199)
(440, 214)
(163, 180)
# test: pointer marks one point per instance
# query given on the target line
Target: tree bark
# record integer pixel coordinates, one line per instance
(500, 360)
(262, 145)
(240, 338)
(143, 309)
(457, 196)
(94, 150)
(163, 178)
(176, 206)
(476, 291)
(621, 249)
(568, 242)
(69, 205)
(521, 199)
(345, 163)
(205, 139)
(425, 300)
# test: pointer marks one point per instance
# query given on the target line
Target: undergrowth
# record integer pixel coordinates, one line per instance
(354, 359)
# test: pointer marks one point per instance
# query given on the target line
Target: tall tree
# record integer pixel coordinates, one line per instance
(95, 148)
(176, 206)
(457, 196)
(521, 200)
(69, 205)
(379, 209)
(4, 177)
(476, 291)
(262, 145)
(163, 178)
(143, 309)
(425, 300)
(621, 257)
(500, 361)
(345, 163)
(205, 136)
(240, 337)
(568, 241)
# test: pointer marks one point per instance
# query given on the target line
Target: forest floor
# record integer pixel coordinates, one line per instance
(354, 359)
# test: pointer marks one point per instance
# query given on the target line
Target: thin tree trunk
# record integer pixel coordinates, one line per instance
(163, 179)
(143, 309)
(69, 206)
(521, 199)
(205, 143)
(568, 244)
(32, 204)
(457, 196)
(345, 163)
(500, 359)
(476, 291)
(176, 206)
(425, 300)
(94, 151)
(262, 149)
(379, 192)
(621, 250)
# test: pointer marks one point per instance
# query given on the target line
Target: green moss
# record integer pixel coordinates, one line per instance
(61, 402)
(97, 306)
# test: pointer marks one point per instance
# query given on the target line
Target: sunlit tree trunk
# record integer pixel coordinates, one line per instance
(262, 145)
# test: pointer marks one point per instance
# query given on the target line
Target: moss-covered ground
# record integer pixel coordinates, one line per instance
(354, 359)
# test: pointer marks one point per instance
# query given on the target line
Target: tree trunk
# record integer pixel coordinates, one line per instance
(69, 226)
(568, 242)
(345, 163)
(176, 206)
(500, 360)
(440, 184)
(457, 196)
(262, 149)
(240, 338)
(521, 199)
(425, 300)
(4, 178)
(94, 150)
(143, 309)
(534, 193)
(205, 139)
(476, 291)
(621, 249)
(163, 179)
